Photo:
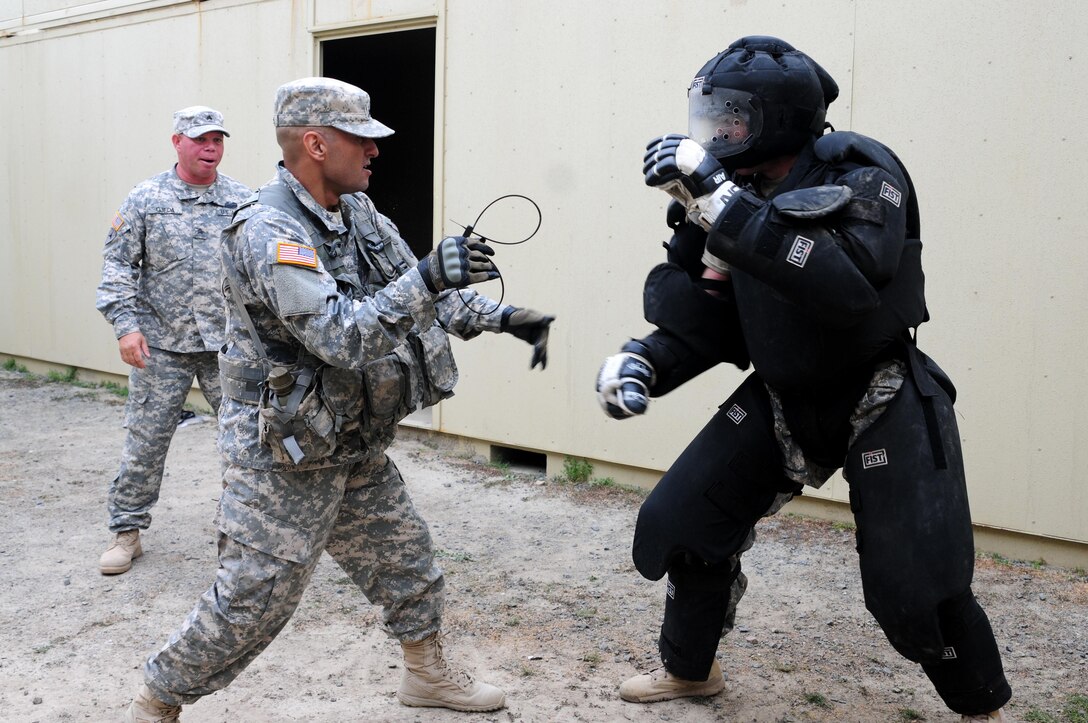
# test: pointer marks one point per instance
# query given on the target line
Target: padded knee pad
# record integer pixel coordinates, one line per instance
(914, 536)
(715, 492)
(969, 677)
(697, 607)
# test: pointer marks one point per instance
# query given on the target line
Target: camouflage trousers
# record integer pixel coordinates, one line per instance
(156, 396)
(273, 526)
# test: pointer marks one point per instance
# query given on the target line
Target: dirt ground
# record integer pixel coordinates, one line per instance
(543, 599)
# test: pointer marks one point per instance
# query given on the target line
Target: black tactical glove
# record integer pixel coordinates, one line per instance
(455, 263)
(530, 326)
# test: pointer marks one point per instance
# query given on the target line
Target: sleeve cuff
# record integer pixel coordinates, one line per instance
(125, 325)
(713, 262)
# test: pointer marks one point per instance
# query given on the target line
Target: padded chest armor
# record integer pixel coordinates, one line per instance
(790, 346)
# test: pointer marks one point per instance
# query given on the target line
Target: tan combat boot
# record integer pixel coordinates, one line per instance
(429, 681)
(998, 716)
(122, 551)
(149, 709)
(660, 684)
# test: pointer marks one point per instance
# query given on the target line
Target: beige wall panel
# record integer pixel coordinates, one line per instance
(557, 101)
(983, 105)
(93, 118)
(341, 12)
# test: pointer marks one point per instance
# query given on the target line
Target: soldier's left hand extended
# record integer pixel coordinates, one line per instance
(530, 326)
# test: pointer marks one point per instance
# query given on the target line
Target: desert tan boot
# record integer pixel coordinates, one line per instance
(660, 684)
(149, 709)
(998, 716)
(120, 554)
(429, 681)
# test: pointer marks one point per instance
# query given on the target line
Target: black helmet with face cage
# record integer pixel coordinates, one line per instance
(758, 99)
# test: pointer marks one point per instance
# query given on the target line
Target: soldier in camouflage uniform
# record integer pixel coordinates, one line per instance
(161, 292)
(335, 333)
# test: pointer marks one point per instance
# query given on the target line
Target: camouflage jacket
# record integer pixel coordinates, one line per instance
(161, 267)
(350, 316)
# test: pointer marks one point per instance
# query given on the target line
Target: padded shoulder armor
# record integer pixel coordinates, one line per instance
(845, 147)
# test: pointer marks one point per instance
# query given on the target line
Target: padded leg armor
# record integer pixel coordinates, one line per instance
(700, 518)
(909, 498)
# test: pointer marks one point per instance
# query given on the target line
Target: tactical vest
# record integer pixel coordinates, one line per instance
(326, 404)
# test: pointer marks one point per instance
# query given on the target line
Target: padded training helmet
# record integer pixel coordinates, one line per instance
(758, 99)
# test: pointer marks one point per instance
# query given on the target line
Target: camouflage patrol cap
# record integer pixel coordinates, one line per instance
(327, 102)
(196, 120)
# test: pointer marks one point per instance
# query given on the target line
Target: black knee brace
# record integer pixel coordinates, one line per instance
(969, 677)
(697, 610)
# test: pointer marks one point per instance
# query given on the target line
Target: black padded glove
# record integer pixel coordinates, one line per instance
(529, 326)
(455, 263)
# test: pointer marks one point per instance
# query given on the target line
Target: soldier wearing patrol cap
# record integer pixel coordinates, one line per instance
(161, 292)
(335, 332)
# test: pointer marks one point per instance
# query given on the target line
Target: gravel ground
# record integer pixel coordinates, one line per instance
(543, 599)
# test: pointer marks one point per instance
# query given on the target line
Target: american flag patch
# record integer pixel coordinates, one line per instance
(296, 254)
(118, 222)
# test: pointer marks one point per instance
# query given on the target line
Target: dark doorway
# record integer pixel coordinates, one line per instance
(397, 70)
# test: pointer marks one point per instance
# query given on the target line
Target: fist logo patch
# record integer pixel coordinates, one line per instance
(892, 194)
(799, 252)
(875, 458)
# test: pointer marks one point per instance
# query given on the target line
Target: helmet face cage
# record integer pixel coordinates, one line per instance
(724, 121)
(756, 100)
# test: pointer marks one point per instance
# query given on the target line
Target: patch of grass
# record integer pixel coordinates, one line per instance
(1076, 708)
(527, 672)
(502, 466)
(592, 658)
(67, 377)
(115, 388)
(999, 559)
(71, 376)
(910, 714)
(577, 470)
(1038, 564)
(843, 526)
(455, 556)
(585, 613)
(783, 667)
(817, 699)
(1037, 716)
(513, 621)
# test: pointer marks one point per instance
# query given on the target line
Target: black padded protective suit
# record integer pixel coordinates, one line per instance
(814, 318)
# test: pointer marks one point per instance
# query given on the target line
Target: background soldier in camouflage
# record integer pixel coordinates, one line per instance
(161, 291)
(332, 292)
